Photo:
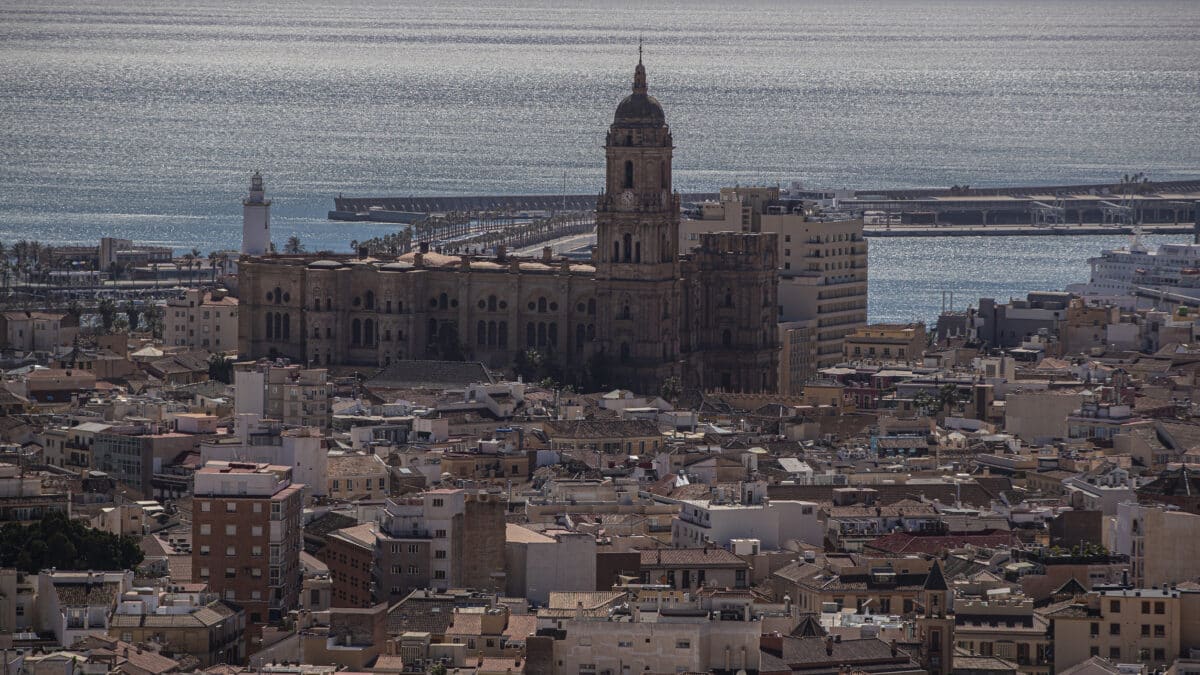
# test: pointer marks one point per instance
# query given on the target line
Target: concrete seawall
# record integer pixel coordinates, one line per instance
(1017, 230)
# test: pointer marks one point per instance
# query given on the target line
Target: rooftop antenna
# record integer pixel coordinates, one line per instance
(639, 48)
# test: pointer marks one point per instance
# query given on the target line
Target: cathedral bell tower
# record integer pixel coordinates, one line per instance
(637, 245)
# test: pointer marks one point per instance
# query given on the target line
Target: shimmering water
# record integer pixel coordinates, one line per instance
(144, 119)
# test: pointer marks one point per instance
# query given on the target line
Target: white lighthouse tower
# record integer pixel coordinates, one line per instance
(256, 219)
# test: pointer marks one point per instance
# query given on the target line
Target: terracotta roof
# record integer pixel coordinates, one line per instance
(690, 557)
(600, 428)
(355, 465)
(520, 626)
(407, 374)
(904, 542)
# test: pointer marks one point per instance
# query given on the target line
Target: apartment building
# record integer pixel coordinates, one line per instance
(350, 555)
(246, 537)
(201, 320)
(446, 538)
(267, 441)
(133, 454)
(1133, 625)
(296, 396)
(1160, 541)
(1009, 630)
(886, 342)
(37, 331)
(822, 274)
(354, 476)
(197, 624)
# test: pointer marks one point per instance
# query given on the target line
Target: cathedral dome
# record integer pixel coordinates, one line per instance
(640, 107)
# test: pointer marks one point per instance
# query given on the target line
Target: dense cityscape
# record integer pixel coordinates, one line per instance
(637, 432)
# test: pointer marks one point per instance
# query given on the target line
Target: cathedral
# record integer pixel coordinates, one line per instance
(635, 316)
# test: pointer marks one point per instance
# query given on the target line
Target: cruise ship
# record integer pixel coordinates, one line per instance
(1119, 274)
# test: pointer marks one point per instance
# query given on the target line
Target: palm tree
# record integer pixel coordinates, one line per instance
(293, 246)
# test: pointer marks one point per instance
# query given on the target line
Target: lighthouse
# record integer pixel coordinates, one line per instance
(256, 219)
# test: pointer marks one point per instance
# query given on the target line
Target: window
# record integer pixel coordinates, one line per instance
(440, 534)
(1160, 630)
(230, 572)
(206, 506)
(1160, 654)
(1114, 653)
(1114, 606)
(256, 551)
(625, 644)
(439, 574)
(231, 530)
(438, 501)
(413, 548)
(412, 569)
(205, 528)
(256, 530)
(1160, 608)
(628, 175)
(204, 550)
(440, 555)
(257, 507)
(1114, 629)
(230, 551)
(683, 644)
(1145, 630)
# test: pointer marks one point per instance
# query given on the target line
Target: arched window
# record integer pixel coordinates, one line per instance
(502, 338)
(592, 306)
(637, 252)
(628, 247)
(317, 307)
(443, 301)
(626, 312)
(616, 257)
(287, 326)
(270, 326)
(356, 332)
(491, 333)
(728, 298)
(624, 352)
(727, 338)
(628, 174)
(481, 333)
(387, 335)
(278, 295)
(316, 359)
(628, 139)
(369, 301)
(491, 304)
(316, 331)
(579, 336)
(328, 331)
(328, 306)
(591, 331)
(552, 335)
(541, 334)
(278, 326)
(530, 334)
(433, 329)
(369, 333)
(541, 305)
(664, 253)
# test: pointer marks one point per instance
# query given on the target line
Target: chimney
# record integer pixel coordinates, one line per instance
(547, 254)
(828, 645)
(772, 643)
(895, 649)
(419, 259)
(424, 247)
(501, 252)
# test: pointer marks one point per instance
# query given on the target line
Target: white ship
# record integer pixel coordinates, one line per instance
(1120, 275)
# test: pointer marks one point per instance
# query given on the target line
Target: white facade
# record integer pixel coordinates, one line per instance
(771, 522)
(265, 442)
(256, 219)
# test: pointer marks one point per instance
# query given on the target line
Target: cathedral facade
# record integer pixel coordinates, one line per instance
(636, 316)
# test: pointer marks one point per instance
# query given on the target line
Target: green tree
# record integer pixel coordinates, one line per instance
(671, 389)
(293, 246)
(220, 368)
(107, 310)
(133, 315)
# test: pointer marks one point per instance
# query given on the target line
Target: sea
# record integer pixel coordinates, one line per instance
(145, 119)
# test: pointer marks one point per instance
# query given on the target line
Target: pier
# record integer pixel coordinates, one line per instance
(1159, 207)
